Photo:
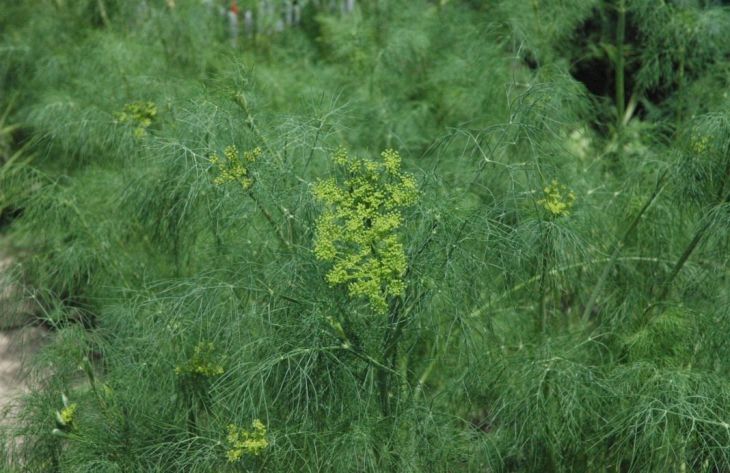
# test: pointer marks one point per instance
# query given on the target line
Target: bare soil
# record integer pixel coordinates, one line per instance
(17, 346)
(19, 341)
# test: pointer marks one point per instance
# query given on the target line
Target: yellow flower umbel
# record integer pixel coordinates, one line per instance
(357, 231)
(204, 362)
(67, 414)
(700, 144)
(139, 114)
(246, 442)
(65, 417)
(558, 199)
(233, 167)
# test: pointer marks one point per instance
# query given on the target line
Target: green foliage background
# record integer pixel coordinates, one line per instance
(525, 342)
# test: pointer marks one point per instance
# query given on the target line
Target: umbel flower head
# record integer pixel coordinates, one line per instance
(204, 362)
(233, 167)
(700, 143)
(139, 114)
(357, 231)
(65, 417)
(246, 442)
(557, 199)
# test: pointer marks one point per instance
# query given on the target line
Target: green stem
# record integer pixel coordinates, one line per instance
(314, 144)
(390, 350)
(618, 246)
(536, 16)
(680, 109)
(429, 369)
(479, 311)
(102, 13)
(684, 257)
(690, 248)
(267, 215)
(544, 261)
(241, 101)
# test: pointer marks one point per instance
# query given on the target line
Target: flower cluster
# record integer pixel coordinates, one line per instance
(357, 231)
(558, 199)
(233, 167)
(204, 362)
(700, 144)
(250, 442)
(139, 114)
(65, 417)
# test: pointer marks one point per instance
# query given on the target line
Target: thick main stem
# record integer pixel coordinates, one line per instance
(544, 261)
(390, 351)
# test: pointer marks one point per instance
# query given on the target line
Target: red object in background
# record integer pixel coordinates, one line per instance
(234, 8)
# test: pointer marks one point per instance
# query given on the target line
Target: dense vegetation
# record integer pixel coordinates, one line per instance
(421, 236)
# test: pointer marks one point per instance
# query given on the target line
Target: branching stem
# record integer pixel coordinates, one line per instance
(618, 246)
(241, 101)
(267, 215)
(692, 246)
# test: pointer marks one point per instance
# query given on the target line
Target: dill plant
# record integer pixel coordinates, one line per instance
(210, 328)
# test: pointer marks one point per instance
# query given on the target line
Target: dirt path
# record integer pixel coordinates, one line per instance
(19, 341)
(17, 346)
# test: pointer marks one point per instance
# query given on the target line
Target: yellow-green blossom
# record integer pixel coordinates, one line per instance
(139, 114)
(65, 417)
(233, 167)
(67, 414)
(700, 144)
(557, 199)
(357, 231)
(246, 442)
(204, 362)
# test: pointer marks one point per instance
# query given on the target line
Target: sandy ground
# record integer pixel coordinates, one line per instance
(16, 349)
(19, 341)
(17, 346)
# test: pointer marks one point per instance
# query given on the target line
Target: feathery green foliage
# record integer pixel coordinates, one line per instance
(535, 281)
